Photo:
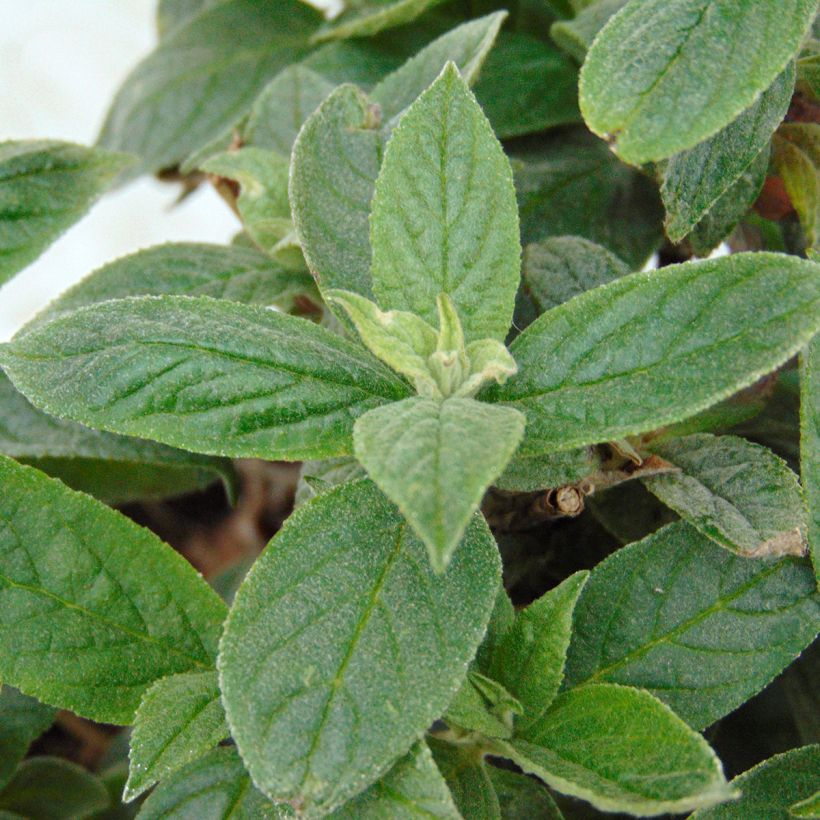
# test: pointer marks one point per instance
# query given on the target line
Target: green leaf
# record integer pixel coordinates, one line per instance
(521, 797)
(411, 790)
(654, 103)
(316, 477)
(186, 269)
(655, 347)
(343, 640)
(739, 494)
(172, 13)
(529, 659)
(49, 788)
(467, 45)
(569, 183)
(263, 200)
(444, 218)
(45, 187)
(527, 474)
(714, 628)
(203, 77)
(468, 779)
(22, 721)
(112, 468)
(696, 179)
(621, 750)
(771, 787)
(796, 159)
(202, 374)
(483, 705)
(575, 36)
(215, 787)
(179, 719)
(283, 106)
(810, 444)
(527, 85)
(363, 18)
(435, 459)
(561, 267)
(810, 807)
(94, 609)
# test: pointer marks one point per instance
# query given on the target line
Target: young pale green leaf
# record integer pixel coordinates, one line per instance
(411, 790)
(725, 214)
(22, 721)
(283, 106)
(203, 374)
(397, 337)
(363, 18)
(569, 183)
(467, 45)
(521, 797)
(483, 705)
(529, 660)
(94, 609)
(558, 268)
(468, 780)
(45, 187)
(343, 640)
(810, 444)
(769, 789)
(655, 347)
(710, 60)
(796, 159)
(621, 750)
(444, 218)
(263, 199)
(695, 180)
(186, 269)
(336, 160)
(527, 85)
(109, 467)
(49, 788)
(435, 459)
(204, 76)
(215, 787)
(179, 719)
(714, 628)
(739, 494)
(526, 474)
(575, 36)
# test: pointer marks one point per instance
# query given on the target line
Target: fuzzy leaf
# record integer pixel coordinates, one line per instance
(468, 779)
(186, 269)
(110, 467)
(527, 85)
(694, 180)
(796, 159)
(45, 187)
(810, 444)
(49, 788)
(179, 719)
(770, 788)
(655, 347)
(575, 36)
(444, 218)
(202, 374)
(102, 607)
(527, 474)
(22, 721)
(714, 628)
(483, 705)
(621, 750)
(561, 267)
(653, 104)
(343, 640)
(569, 183)
(739, 494)
(204, 76)
(215, 787)
(435, 459)
(521, 797)
(529, 659)
(810, 807)
(363, 18)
